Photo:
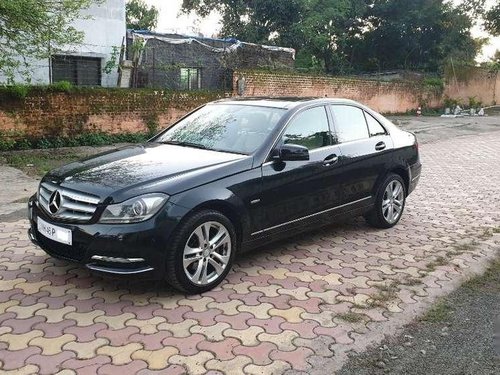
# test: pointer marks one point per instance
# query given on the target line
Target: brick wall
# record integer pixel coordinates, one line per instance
(386, 97)
(48, 114)
(463, 83)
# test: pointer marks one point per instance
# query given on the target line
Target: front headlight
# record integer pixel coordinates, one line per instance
(134, 210)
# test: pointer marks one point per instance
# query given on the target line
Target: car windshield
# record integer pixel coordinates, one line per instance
(232, 128)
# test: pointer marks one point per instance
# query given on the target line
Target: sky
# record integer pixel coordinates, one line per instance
(172, 20)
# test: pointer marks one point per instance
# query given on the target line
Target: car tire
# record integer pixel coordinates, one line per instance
(389, 206)
(198, 261)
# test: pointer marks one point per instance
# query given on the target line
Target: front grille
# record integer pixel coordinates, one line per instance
(75, 206)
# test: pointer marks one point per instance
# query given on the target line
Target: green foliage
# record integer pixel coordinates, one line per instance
(32, 29)
(474, 103)
(438, 313)
(112, 63)
(415, 35)
(61, 86)
(13, 141)
(140, 16)
(16, 91)
(434, 82)
(490, 280)
(492, 20)
(450, 102)
(6, 143)
(351, 317)
(345, 36)
(152, 125)
(19, 91)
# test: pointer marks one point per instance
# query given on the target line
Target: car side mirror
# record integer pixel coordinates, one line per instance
(291, 152)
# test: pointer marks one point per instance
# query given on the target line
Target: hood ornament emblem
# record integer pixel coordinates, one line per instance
(55, 202)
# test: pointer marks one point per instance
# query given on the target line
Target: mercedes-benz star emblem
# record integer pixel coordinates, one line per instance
(55, 202)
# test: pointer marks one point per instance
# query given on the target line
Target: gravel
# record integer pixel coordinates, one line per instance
(466, 341)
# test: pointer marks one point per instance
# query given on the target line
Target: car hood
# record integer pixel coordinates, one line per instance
(151, 167)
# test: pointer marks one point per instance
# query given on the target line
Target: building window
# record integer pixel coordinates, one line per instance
(190, 79)
(79, 70)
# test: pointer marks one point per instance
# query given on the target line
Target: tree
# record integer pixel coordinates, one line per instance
(492, 19)
(416, 34)
(342, 36)
(329, 27)
(140, 16)
(34, 29)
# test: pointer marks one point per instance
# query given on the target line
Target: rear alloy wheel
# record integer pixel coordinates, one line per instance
(389, 203)
(202, 252)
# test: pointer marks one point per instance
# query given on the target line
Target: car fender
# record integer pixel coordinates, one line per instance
(217, 198)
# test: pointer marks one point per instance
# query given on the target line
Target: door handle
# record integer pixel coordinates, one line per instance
(380, 146)
(330, 160)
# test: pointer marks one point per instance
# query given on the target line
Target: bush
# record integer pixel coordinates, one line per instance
(474, 103)
(434, 82)
(7, 144)
(16, 91)
(450, 103)
(61, 86)
(18, 142)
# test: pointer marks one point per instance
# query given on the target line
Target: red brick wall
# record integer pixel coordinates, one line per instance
(387, 97)
(43, 113)
(48, 114)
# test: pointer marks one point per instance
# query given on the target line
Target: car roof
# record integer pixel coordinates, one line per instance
(283, 102)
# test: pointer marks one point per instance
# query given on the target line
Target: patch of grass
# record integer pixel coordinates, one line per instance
(386, 293)
(440, 312)
(490, 280)
(411, 281)
(487, 233)
(465, 246)
(439, 261)
(351, 317)
(39, 163)
(358, 306)
(451, 254)
(430, 267)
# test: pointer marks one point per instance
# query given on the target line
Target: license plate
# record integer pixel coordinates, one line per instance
(54, 232)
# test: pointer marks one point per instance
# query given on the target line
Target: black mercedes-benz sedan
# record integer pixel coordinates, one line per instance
(228, 177)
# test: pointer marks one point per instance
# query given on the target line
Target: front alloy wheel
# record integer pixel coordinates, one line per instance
(201, 252)
(207, 253)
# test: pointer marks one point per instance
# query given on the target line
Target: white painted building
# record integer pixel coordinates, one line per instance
(83, 64)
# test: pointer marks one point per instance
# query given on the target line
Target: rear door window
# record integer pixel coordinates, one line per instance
(350, 123)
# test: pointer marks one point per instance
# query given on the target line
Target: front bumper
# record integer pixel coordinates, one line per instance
(126, 249)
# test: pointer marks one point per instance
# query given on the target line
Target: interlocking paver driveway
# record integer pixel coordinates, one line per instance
(296, 306)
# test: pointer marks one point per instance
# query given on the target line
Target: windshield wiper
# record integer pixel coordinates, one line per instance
(184, 144)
